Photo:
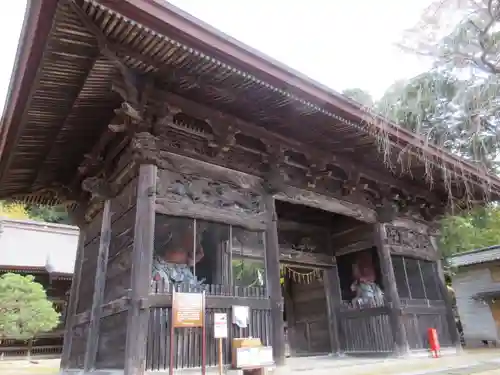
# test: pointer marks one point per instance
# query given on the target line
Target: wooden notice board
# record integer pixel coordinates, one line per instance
(188, 310)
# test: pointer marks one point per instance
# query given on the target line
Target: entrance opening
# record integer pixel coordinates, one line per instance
(309, 239)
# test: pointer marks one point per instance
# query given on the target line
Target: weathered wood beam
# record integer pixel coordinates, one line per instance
(354, 247)
(211, 302)
(111, 308)
(73, 299)
(450, 316)
(274, 178)
(333, 297)
(100, 279)
(287, 255)
(401, 347)
(273, 282)
(344, 232)
(289, 225)
(137, 321)
(331, 204)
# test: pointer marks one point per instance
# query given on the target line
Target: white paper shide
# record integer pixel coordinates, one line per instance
(240, 316)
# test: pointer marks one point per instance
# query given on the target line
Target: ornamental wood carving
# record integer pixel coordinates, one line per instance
(404, 241)
(198, 190)
(204, 191)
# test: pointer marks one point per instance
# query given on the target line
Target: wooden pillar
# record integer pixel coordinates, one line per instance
(401, 347)
(142, 259)
(273, 282)
(332, 292)
(450, 316)
(73, 300)
(100, 279)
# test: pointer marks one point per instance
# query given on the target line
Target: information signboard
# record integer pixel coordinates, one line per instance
(188, 310)
(220, 325)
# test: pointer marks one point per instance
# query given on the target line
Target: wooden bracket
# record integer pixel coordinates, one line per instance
(224, 139)
(352, 183)
(98, 188)
(317, 170)
(274, 178)
(146, 150)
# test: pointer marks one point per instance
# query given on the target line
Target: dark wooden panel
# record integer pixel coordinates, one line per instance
(78, 346)
(400, 275)
(431, 280)
(415, 281)
(118, 280)
(110, 308)
(70, 320)
(99, 280)
(88, 275)
(111, 345)
(120, 249)
(333, 299)
(120, 204)
(308, 327)
(418, 323)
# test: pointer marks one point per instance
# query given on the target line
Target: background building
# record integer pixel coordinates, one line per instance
(46, 251)
(477, 290)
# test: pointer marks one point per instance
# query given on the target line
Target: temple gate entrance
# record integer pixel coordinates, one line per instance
(306, 312)
(311, 292)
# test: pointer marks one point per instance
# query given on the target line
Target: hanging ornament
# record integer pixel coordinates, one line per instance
(301, 277)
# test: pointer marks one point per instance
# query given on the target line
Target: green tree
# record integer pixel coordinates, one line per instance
(25, 310)
(456, 114)
(459, 34)
(474, 229)
(248, 273)
(14, 210)
(456, 104)
(48, 214)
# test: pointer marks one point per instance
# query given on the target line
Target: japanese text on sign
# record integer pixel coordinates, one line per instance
(188, 310)
(220, 325)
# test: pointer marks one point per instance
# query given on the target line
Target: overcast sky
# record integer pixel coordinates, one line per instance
(342, 44)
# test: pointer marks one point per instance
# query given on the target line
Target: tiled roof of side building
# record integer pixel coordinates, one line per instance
(477, 256)
(38, 245)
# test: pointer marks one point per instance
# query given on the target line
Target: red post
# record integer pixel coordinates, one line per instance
(434, 342)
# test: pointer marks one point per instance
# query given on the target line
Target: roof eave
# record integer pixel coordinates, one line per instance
(161, 16)
(37, 22)
(166, 19)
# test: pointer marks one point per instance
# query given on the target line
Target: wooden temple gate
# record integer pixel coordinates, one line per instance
(163, 135)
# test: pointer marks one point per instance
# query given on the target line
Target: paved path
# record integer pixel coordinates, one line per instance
(471, 362)
(480, 362)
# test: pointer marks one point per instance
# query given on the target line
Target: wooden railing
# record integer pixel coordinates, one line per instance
(365, 328)
(419, 316)
(188, 341)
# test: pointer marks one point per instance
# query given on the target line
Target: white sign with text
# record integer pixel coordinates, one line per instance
(220, 325)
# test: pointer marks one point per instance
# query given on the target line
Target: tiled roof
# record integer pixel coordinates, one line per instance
(37, 245)
(487, 254)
